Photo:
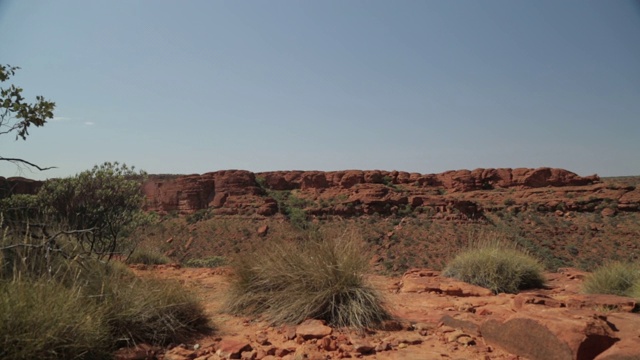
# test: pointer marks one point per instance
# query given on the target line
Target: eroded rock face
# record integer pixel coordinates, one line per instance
(350, 192)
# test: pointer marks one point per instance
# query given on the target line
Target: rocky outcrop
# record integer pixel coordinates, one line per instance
(354, 192)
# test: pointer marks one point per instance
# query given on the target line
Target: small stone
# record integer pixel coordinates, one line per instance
(453, 336)
(465, 340)
(363, 347)
(249, 355)
(383, 346)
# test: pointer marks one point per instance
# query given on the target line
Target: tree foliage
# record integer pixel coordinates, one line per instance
(107, 200)
(17, 115)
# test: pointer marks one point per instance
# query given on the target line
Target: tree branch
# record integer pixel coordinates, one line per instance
(21, 161)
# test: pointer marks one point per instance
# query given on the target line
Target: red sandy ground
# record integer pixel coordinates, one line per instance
(436, 318)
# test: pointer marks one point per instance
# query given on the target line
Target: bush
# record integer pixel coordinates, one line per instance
(59, 303)
(498, 266)
(321, 279)
(210, 262)
(45, 320)
(147, 257)
(617, 278)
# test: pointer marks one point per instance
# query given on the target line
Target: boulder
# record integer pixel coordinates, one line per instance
(550, 334)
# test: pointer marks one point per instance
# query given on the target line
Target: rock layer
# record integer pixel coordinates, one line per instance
(353, 192)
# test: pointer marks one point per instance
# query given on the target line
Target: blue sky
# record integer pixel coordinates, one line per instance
(424, 86)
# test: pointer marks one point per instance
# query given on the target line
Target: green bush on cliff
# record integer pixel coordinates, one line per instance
(498, 266)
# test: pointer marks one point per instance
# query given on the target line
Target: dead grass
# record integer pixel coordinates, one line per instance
(323, 278)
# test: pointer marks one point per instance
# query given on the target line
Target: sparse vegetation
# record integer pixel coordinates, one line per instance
(322, 279)
(41, 319)
(617, 278)
(497, 265)
(59, 298)
(210, 262)
(86, 310)
(148, 257)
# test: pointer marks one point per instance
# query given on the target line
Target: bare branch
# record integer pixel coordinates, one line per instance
(21, 161)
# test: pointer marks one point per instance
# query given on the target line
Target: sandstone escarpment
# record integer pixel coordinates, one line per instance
(461, 194)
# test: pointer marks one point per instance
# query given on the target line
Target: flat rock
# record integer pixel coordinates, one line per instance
(421, 280)
(313, 329)
(232, 348)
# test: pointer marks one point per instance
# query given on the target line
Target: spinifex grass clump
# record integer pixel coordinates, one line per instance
(321, 279)
(497, 265)
(617, 278)
(42, 319)
(77, 307)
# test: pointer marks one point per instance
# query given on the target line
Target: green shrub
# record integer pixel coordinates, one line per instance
(210, 262)
(617, 278)
(321, 279)
(45, 320)
(498, 266)
(147, 257)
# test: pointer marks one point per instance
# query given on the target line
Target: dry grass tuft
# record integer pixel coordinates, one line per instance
(498, 265)
(319, 278)
(148, 257)
(76, 307)
(617, 278)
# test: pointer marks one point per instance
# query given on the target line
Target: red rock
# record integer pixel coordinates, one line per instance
(602, 301)
(313, 329)
(219, 199)
(263, 230)
(627, 328)
(18, 185)
(232, 348)
(179, 353)
(417, 280)
(313, 180)
(351, 178)
(362, 346)
(535, 299)
(553, 334)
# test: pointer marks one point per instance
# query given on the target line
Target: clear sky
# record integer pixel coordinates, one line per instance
(426, 86)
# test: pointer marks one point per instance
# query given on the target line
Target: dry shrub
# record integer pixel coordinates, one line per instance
(321, 278)
(495, 263)
(617, 278)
